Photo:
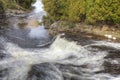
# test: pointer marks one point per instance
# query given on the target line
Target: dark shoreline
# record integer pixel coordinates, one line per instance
(84, 31)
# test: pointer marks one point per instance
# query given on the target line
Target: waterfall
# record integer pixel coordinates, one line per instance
(38, 6)
(62, 60)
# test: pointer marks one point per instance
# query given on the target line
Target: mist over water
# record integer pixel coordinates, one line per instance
(62, 60)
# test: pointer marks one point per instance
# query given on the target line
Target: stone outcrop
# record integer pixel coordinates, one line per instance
(99, 30)
(13, 12)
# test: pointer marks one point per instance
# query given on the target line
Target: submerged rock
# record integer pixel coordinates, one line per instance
(28, 24)
(113, 54)
(44, 71)
(111, 68)
(2, 55)
(22, 25)
(33, 23)
(56, 71)
(3, 73)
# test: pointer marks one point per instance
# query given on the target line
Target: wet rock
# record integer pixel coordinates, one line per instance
(97, 31)
(12, 12)
(22, 25)
(28, 24)
(69, 68)
(2, 52)
(111, 68)
(81, 38)
(72, 72)
(103, 47)
(33, 23)
(44, 71)
(113, 54)
(2, 55)
(74, 77)
(4, 73)
(56, 71)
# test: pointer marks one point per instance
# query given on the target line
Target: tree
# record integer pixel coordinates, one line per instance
(76, 10)
(107, 11)
(90, 11)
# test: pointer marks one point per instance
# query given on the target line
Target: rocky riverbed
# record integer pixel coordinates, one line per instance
(72, 55)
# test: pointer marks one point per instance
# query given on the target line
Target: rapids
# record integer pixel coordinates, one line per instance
(23, 57)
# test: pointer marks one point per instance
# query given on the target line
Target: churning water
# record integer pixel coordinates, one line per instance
(62, 60)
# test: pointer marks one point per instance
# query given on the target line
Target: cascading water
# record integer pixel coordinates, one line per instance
(62, 60)
(38, 6)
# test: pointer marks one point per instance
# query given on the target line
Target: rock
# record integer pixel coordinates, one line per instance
(105, 28)
(28, 24)
(72, 72)
(113, 54)
(111, 68)
(2, 52)
(102, 48)
(2, 55)
(56, 71)
(22, 25)
(33, 23)
(12, 12)
(44, 71)
(97, 31)
(3, 73)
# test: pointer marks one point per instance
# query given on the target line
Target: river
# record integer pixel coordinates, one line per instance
(31, 54)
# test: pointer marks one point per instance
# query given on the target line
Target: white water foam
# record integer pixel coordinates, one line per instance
(59, 51)
(22, 59)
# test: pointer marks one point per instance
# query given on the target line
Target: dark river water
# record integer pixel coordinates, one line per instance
(31, 54)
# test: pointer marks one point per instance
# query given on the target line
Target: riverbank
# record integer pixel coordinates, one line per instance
(14, 12)
(13, 8)
(74, 31)
(11, 17)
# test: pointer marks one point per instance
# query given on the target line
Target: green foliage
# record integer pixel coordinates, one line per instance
(52, 9)
(16, 4)
(90, 11)
(76, 10)
(104, 11)
(24, 3)
(47, 21)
